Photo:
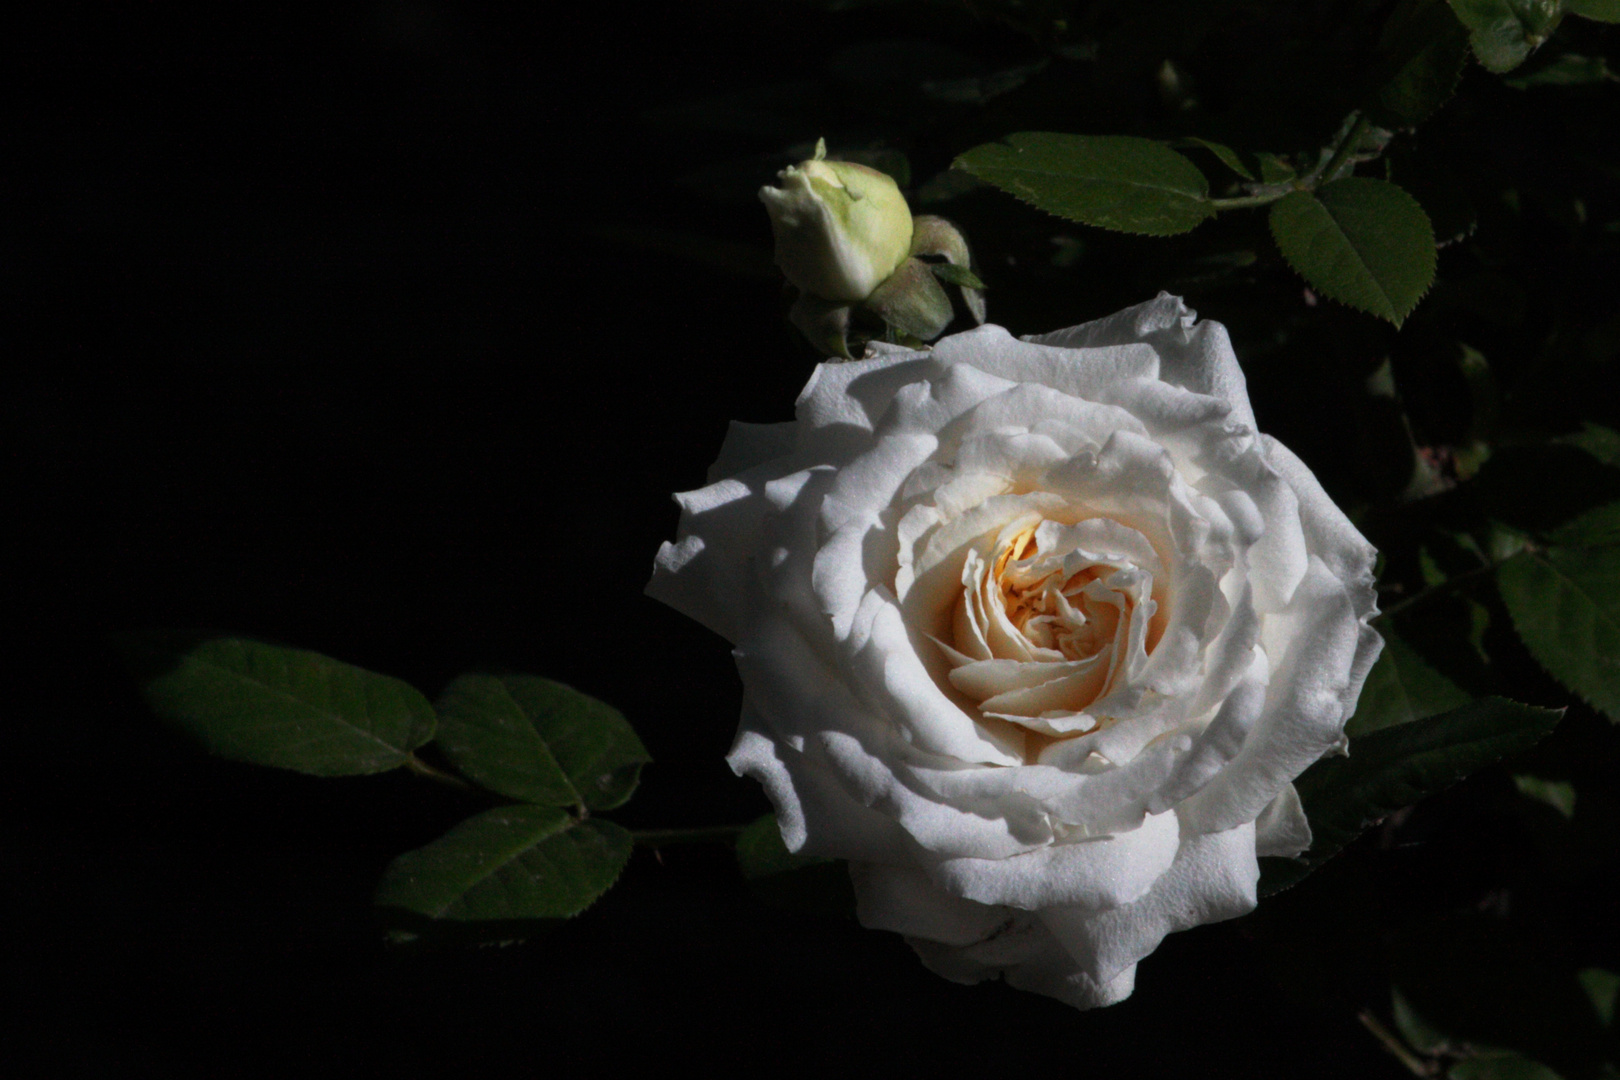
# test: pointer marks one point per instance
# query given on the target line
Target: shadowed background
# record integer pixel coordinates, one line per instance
(387, 332)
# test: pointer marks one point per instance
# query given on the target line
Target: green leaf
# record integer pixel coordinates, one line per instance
(510, 863)
(1601, 442)
(540, 741)
(1398, 766)
(1401, 688)
(1421, 55)
(1558, 794)
(1501, 1065)
(1274, 169)
(811, 884)
(1601, 10)
(1601, 988)
(1363, 242)
(1504, 32)
(1228, 157)
(1567, 70)
(952, 274)
(1418, 1032)
(273, 705)
(1110, 181)
(1565, 604)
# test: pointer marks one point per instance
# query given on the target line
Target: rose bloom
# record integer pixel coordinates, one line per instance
(1036, 634)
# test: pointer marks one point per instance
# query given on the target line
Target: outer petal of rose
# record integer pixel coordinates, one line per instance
(1166, 409)
(704, 573)
(1277, 560)
(1195, 355)
(1345, 551)
(986, 833)
(851, 560)
(991, 349)
(816, 815)
(903, 900)
(1021, 408)
(1097, 874)
(1031, 959)
(839, 408)
(1328, 533)
(1281, 828)
(747, 445)
(1213, 878)
(797, 702)
(1305, 709)
(928, 407)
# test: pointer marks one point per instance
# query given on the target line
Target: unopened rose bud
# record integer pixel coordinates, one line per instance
(841, 228)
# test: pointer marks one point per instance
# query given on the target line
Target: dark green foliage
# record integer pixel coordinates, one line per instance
(1363, 242)
(539, 741)
(1564, 596)
(1113, 182)
(273, 705)
(1398, 766)
(512, 863)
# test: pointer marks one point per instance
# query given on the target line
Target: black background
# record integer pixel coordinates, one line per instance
(369, 332)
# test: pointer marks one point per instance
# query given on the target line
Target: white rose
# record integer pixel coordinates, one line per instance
(1037, 634)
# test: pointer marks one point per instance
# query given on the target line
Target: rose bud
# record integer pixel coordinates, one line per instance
(841, 228)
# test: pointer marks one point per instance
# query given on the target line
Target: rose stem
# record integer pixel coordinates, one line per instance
(1417, 1066)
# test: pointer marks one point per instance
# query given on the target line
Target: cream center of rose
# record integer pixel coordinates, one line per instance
(1052, 619)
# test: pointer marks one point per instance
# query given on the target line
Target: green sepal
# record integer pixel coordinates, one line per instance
(824, 322)
(912, 301)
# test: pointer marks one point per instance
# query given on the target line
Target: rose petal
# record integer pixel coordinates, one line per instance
(1212, 878)
(1098, 874)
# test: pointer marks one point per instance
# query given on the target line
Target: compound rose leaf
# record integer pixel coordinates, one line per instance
(274, 705)
(1111, 181)
(1226, 155)
(1504, 32)
(1420, 61)
(510, 864)
(1601, 10)
(540, 741)
(1362, 242)
(1397, 767)
(1564, 599)
(1401, 687)
(1567, 70)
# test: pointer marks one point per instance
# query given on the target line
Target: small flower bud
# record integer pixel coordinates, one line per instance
(841, 228)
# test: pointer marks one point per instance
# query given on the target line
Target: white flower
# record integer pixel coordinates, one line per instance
(841, 228)
(1036, 634)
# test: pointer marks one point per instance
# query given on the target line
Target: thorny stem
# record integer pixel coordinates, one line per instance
(1270, 193)
(1240, 201)
(1414, 1064)
(1346, 147)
